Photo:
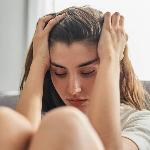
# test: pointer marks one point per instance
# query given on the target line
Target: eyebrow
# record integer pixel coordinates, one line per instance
(81, 65)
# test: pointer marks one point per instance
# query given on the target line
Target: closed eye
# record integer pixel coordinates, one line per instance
(82, 73)
(88, 73)
(60, 74)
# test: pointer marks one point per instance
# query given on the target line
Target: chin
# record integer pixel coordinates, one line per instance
(82, 108)
(84, 111)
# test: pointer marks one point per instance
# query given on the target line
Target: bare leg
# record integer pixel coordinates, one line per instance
(66, 128)
(15, 130)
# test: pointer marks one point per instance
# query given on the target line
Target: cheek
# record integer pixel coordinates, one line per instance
(87, 84)
(60, 85)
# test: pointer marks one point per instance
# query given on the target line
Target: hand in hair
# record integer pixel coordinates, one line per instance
(113, 38)
(40, 39)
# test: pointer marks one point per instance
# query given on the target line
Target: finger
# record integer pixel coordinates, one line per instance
(42, 21)
(115, 19)
(121, 21)
(54, 21)
(107, 20)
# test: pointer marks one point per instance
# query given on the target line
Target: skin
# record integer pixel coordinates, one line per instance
(110, 51)
(71, 80)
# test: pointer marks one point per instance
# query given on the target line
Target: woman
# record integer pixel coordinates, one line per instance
(81, 58)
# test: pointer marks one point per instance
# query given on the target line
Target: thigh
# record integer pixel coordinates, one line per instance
(15, 130)
(66, 128)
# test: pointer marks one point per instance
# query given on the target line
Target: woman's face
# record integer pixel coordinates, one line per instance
(73, 71)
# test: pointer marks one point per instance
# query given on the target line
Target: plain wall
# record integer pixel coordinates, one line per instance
(13, 29)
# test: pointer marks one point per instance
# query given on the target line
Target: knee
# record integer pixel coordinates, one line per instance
(67, 116)
(10, 117)
(13, 127)
(63, 120)
(72, 121)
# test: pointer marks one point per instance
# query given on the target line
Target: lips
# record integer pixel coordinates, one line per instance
(77, 102)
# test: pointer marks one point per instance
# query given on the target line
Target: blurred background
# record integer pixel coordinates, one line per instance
(18, 20)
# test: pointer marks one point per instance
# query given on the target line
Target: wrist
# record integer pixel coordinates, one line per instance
(110, 64)
(40, 65)
(110, 61)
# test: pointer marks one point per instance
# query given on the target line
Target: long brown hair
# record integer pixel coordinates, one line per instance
(85, 24)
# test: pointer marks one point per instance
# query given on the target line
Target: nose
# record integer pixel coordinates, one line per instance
(74, 86)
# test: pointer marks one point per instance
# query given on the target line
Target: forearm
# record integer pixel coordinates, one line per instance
(30, 100)
(104, 109)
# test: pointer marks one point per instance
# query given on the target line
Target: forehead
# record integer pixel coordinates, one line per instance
(75, 52)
